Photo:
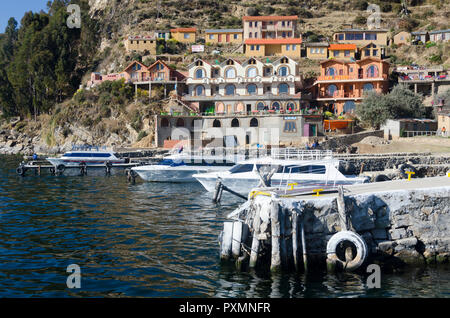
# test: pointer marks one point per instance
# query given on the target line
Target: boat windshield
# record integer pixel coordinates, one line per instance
(310, 169)
(87, 155)
(241, 168)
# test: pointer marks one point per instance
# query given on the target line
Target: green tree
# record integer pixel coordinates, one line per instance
(401, 102)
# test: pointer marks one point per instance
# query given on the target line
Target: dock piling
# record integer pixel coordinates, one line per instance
(275, 264)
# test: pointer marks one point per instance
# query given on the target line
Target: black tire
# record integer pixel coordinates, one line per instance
(61, 168)
(407, 167)
(382, 178)
(20, 171)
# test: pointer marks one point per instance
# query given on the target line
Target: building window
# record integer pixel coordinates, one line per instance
(290, 127)
(250, 34)
(211, 36)
(187, 35)
(275, 106)
(349, 106)
(252, 47)
(375, 52)
(311, 51)
(290, 106)
(260, 106)
(367, 52)
(256, 35)
(330, 71)
(254, 122)
(283, 88)
(368, 87)
(372, 71)
(257, 48)
(283, 34)
(335, 53)
(165, 122)
(251, 89)
(199, 90)
(332, 90)
(216, 123)
(346, 53)
(180, 122)
(341, 37)
(235, 123)
(250, 24)
(294, 47)
(230, 73)
(230, 90)
(235, 36)
(199, 73)
(283, 71)
(288, 47)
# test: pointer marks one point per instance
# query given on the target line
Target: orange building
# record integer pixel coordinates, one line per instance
(273, 47)
(342, 84)
(184, 35)
(342, 51)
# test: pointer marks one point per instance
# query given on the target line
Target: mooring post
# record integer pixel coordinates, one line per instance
(227, 237)
(255, 241)
(342, 209)
(283, 235)
(237, 237)
(217, 191)
(294, 238)
(275, 222)
(305, 255)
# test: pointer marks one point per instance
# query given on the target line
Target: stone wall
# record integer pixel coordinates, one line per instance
(400, 227)
(342, 142)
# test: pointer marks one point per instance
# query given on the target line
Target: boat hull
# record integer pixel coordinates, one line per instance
(172, 174)
(75, 163)
(244, 186)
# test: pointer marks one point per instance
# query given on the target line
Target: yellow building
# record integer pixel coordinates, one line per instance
(273, 47)
(184, 35)
(317, 51)
(344, 52)
(402, 38)
(141, 43)
(370, 50)
(362, 37)
(224, 36)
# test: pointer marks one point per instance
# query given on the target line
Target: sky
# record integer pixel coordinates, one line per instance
(17, 8)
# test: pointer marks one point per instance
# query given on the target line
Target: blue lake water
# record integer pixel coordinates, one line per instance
(147, 240)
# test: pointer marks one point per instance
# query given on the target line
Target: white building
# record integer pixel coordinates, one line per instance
(252, 86)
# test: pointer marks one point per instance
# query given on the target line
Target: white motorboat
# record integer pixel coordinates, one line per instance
(89, 156)
(181, 167)
(289, 171)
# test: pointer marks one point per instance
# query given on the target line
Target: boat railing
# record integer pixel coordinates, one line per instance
(300, 154)
(88, 148)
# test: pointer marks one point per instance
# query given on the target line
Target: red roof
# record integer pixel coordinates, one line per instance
(270, 18)
(184, 30)
(274, 41)
(342, 47)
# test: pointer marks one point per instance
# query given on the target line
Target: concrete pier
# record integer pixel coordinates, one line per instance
(401, 222)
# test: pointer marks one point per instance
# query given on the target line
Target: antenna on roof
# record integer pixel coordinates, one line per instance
(158, 9)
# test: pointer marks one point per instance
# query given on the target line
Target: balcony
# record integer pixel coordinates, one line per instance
(349, 78)
(236, 97)
(339, 95)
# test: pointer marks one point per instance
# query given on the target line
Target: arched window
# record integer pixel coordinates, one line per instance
(284, 60)
(349, 106)
(230, 73)
(260, 106)
(199, 73)
(372, 71)
(254, 122)
(165, 122)
(252, 72)
(220, 108)
(235, 122)
(216, 123)
(283, 71)
(290, 106)
(251, 89)
(368, 87)
(199, 90)
(331, 90)
(199, 63)
(331, 71)
(276, 106)
(283, 88)
(180, 122)
(230, 90)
